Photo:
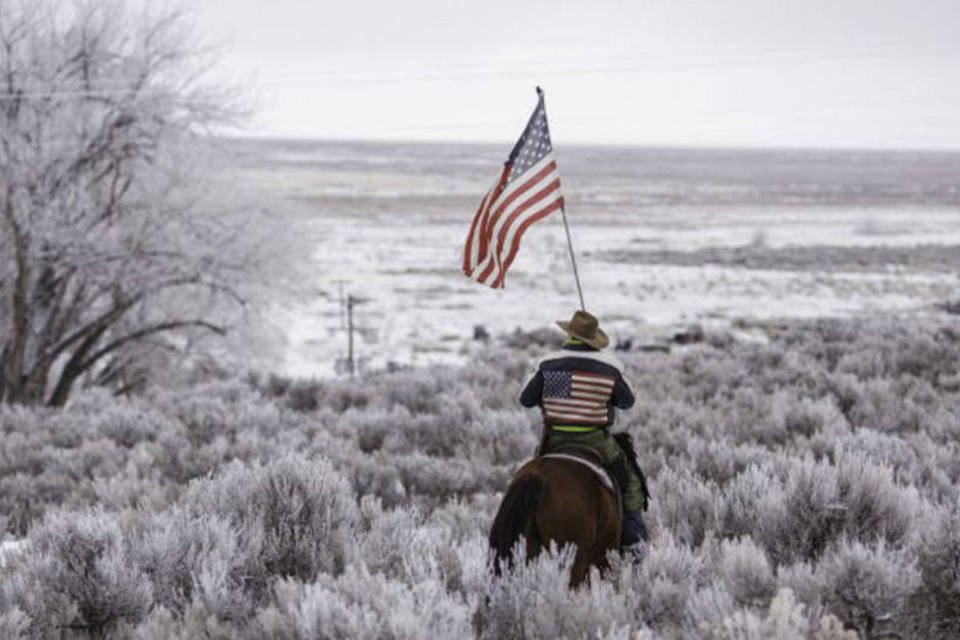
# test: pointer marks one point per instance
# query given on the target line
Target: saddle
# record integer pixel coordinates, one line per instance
(613, 476)
(589, 459)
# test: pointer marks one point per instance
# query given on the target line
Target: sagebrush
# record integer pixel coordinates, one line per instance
(803, 488)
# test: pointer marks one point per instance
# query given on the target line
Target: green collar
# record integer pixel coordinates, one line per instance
(572, 344)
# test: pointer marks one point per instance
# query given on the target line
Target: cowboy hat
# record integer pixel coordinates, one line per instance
(584, 327)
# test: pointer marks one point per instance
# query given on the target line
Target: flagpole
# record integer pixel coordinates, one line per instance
(566, 227)
(573, 258)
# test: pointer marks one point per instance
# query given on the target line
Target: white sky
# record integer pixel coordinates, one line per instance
(768, 73)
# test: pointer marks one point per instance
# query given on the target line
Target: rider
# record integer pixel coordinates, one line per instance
(577, 389)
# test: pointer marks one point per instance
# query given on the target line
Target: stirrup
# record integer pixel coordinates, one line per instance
(636, 551)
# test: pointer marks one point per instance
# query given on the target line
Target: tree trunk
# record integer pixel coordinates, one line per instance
(17, 346)
(72, 370)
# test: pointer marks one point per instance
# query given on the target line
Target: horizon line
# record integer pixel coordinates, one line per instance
(677, 146)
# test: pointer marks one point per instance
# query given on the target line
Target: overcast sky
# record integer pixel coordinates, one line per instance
(834, 73)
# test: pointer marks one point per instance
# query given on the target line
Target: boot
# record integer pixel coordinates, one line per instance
(633, 536)
(635, 551)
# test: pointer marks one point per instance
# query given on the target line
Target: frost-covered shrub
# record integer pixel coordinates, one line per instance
(809, 417)
(662, 587)
(684, 505)
(534, 601)
(295, 516)
(196, 622)
(888, 406)
(711, 610)
(755, 416)
(439, 435)
(446, 478)
(419, 391)
(464, 518)
(875, 508)
(745, 503)
(925, 355)
(826, 339)
(14, 624)
(127, 424)
(787, 468)
(129, 489)
(79, 576)
(785, 619)
(194, 559)
(220, 409)
(746, 571)
(936, 606)
(365, 606)
(159, 624)
(868, 587)
(400, 544)
(96, 457)
(373, 427)
(178, 460)
(25, 498)
(376, 476)
(303, 396)
(393, 540)
(205, 418)
(822, 503)
(708, 373)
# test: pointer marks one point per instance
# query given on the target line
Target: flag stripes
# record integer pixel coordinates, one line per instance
(527, 190)
(500, 213)
(509, 226)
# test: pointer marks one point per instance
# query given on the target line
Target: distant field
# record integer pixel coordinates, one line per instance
(605, 179)
(865, 259)
(665, 237)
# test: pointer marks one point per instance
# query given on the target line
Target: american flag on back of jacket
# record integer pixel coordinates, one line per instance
(527, 190)
(576, 397)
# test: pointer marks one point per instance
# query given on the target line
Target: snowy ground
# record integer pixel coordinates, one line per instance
(421, 309)
(393, 235)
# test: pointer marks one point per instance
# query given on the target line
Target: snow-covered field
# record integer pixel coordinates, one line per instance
(805, 481)
(387, 223)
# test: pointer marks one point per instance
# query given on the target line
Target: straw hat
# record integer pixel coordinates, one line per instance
(584, 327)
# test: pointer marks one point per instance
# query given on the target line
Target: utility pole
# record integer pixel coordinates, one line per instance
(352, 301)
(340, 284)
(350, 367)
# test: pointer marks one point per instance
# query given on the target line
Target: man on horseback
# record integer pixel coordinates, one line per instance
(577, 389)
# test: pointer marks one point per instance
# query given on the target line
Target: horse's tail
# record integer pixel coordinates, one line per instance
(516, 518)
(625, 441)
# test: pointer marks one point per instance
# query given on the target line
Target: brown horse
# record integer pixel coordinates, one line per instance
(561, 501)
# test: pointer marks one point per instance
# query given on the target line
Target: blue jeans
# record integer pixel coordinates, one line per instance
(632, 530)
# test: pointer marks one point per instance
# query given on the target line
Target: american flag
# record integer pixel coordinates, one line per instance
(577, 397)
(527, 190)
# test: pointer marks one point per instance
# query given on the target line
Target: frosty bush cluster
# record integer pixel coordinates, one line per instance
(805, 488)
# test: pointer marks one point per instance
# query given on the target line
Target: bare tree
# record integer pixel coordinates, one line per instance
(108, 240)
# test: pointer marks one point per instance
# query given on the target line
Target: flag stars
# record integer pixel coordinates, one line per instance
(533, 146)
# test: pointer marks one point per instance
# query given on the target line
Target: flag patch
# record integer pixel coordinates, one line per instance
(577, 397)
